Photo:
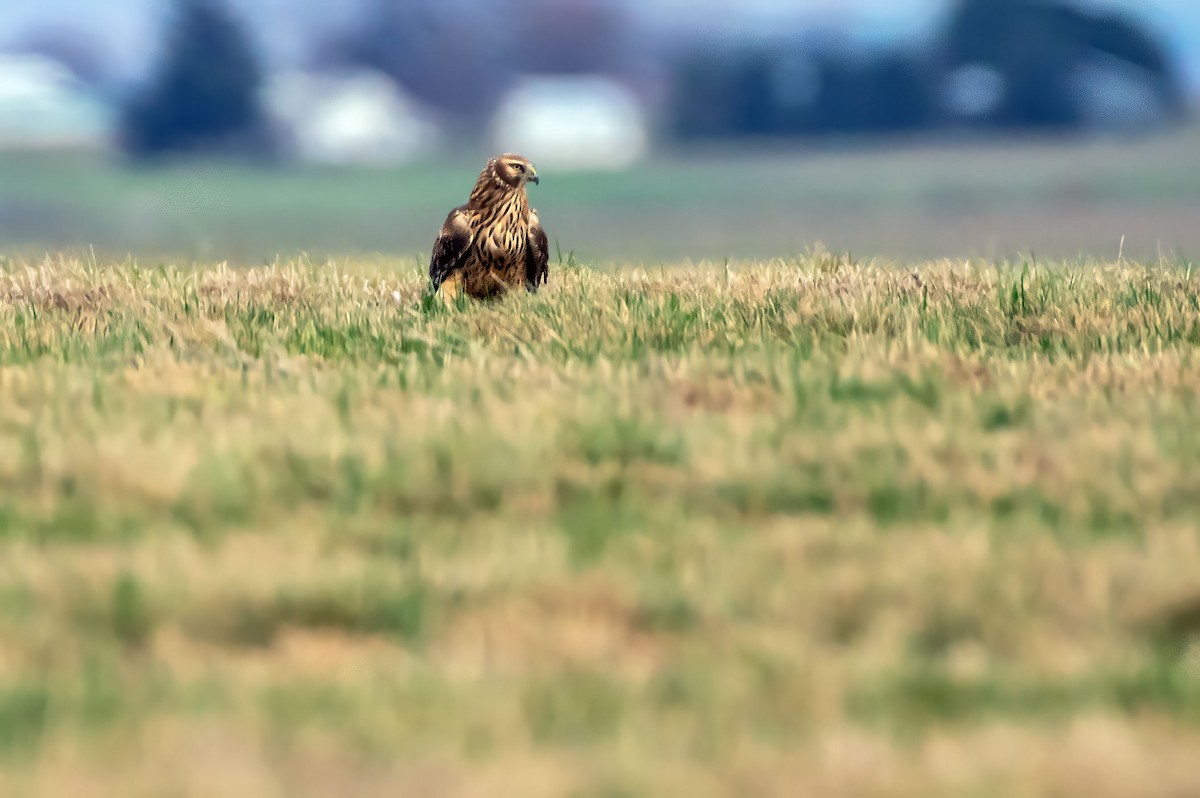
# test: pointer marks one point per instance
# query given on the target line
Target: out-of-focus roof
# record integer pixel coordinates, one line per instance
(43, 105)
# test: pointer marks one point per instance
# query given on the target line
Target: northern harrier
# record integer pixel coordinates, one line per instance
(494, 243)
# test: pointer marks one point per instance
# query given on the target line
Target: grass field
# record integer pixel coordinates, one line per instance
(803, 527)
(1059, 198)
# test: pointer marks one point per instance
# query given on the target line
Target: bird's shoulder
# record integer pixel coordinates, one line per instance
(537, 253)
(458, 231)
(455, 236)
(536, 233)
(451, 247)
(459, 219)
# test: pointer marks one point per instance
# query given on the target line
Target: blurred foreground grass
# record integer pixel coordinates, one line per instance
(790, 528)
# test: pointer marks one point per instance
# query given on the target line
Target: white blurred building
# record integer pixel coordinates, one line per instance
(43, 106)
(587, 122)
(357, 118)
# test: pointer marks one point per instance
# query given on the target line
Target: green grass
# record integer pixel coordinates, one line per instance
(810, 526)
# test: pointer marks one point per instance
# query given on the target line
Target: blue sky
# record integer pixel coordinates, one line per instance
(122, 27)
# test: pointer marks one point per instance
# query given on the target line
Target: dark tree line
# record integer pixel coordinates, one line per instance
(205, 94)
(1034, 47)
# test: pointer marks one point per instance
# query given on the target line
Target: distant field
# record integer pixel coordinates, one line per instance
(805, 527)
(1057, 199)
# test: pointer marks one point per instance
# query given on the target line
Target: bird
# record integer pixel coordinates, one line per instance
(495, 242)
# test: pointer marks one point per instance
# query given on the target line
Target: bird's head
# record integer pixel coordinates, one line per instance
(514, 171)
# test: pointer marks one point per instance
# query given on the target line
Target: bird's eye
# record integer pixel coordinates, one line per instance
(518, 167)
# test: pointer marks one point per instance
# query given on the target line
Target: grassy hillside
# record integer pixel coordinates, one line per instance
(781, 528)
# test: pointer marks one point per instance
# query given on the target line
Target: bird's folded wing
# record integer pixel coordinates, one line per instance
(451, 246)
(537, 254)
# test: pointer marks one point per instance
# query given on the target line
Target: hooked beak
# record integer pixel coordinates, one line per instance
(533, 176)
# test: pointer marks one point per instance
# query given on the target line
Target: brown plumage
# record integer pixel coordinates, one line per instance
(495, 242)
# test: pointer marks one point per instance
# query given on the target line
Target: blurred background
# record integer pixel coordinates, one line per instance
(664, 129)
